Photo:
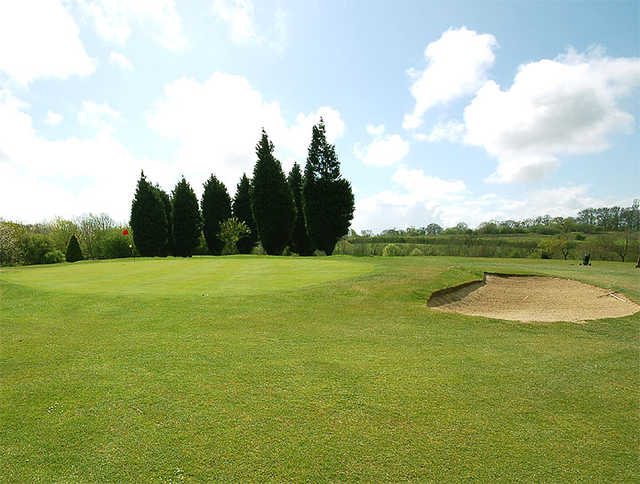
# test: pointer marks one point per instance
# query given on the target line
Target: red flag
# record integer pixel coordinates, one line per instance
(125, 232)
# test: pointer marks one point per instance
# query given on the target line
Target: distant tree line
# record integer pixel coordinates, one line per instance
(299, 213)
(592, 231)
(588, 221)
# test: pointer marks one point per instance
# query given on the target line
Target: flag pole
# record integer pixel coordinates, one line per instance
(125, 232)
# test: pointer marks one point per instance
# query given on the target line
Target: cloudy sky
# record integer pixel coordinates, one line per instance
(440, 111)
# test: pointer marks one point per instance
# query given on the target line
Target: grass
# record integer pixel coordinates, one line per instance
(324, 369)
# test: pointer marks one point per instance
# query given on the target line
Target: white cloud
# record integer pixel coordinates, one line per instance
(98, 116)
(375, 130)
(457, 64)
(40, 40)
(417, 200)
(383, 151)
(120, 60)
(240, 17)
(451, 131)
(217, 123)
(564, 106)
(53, 118)
(115, 20)
(65, 177)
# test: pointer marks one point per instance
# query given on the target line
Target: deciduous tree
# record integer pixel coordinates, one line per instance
(231, 231)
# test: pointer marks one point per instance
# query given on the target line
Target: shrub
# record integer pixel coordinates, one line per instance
(416, 252)
(258, 249)
(74, 253)
(114, 246)
(53, 257)
(33, 247)
(580, 236)
(231, 231)
(391, 250)
(344, 247)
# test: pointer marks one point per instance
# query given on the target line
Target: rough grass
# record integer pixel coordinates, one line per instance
(339, 374)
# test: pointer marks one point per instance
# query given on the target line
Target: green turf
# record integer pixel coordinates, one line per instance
(324, 369)
(219, 276)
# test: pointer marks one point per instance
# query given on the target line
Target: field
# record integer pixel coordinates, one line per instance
(322, 369)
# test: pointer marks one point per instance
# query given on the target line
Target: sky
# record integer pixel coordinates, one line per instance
(441, 112)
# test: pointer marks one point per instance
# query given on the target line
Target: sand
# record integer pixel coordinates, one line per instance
(533, 298)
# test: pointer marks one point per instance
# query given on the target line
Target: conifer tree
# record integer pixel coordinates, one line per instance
(74, 253)
(169, 248)
(300, 242)
(271, 201)
(327, 197)
(148, 219)
(187, 223)
(242, 211)
(216, 207)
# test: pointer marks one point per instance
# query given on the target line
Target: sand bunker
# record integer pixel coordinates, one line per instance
(532, 298)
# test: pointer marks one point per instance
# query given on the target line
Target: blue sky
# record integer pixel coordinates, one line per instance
(440, 111)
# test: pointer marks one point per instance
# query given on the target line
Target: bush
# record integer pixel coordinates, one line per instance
(391, 250)
(114, 246)
(258, 249)
(580, 236)
(74, 253)
(53, 257)
(33, 247)
(344, 247)
(416, 252)
(231, 231)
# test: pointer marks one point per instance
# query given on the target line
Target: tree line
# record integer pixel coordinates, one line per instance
(589, 221)
(98, 236)
(301, 212)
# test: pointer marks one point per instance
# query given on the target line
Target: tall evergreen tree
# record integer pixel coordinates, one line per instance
(216, 207)
(74, 253)
(148, 219)
(327, 197)
(169, 248)
(271, 201)
(300, 241)
(242, 211)
(187, 223)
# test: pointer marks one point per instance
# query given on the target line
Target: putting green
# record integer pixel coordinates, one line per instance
(210, 276)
